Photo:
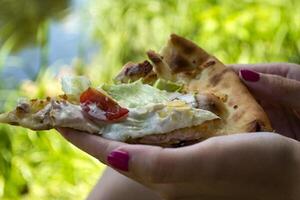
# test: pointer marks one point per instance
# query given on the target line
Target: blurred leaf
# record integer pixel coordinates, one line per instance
(23, 19)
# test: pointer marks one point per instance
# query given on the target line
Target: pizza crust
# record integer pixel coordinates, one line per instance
(181, 137)
(220, 91)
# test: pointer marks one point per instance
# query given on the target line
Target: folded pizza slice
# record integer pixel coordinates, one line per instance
(209, 83)
(184, 96)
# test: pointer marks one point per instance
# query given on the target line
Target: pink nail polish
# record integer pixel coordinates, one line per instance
(249, 75)
(118, 160)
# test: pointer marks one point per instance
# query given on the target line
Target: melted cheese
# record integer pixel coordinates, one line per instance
(156, 119)
(141, 121)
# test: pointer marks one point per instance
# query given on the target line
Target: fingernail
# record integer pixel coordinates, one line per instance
(249, 75)
(118, 160)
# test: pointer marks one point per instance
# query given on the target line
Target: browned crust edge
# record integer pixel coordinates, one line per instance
(180, 137)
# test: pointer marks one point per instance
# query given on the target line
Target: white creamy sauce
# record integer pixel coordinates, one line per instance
(75, 85)
(155, 119)
(65, 114)
(189, 99)
(141, 121)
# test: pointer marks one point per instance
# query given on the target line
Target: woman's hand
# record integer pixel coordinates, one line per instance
(241, 166)
(277, 88)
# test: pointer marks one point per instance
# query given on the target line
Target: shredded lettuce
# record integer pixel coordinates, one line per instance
(75, 85)
(136, 94)
(167, 85)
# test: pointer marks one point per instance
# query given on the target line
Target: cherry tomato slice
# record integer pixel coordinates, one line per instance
(100, 106)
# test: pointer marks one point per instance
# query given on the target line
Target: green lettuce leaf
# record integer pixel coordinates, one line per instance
(136, 94)
(75, 85)
(167, 85)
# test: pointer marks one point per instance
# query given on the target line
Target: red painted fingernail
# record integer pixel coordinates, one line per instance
(118, 160)
(249, 75)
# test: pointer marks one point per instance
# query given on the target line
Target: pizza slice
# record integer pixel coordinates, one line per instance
(184, 95)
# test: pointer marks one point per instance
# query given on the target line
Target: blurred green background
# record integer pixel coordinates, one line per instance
(42, 40)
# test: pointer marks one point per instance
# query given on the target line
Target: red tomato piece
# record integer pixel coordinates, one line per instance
(100, 106)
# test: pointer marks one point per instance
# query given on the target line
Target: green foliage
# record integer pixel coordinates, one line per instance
(25, 23)
(243, 31)
(21, 22)
(44, 166)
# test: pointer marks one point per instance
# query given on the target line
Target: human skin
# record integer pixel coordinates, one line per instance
(240, 166)
(278, 92)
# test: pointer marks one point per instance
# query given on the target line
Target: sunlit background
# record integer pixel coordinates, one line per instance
(40, 41)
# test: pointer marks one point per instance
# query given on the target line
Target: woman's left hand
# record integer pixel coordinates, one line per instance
(241, 166)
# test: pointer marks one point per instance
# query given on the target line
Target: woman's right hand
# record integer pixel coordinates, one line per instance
(277, 88)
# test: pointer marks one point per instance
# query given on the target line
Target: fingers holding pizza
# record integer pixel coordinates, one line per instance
(257, 165)
(277, 81)
(277, 87)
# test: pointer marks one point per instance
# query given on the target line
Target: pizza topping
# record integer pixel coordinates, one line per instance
(100, 106)
(31, 106)
(63, 96)
(150, 78)
(167, 85)
(189, 99)
(22, 107)
(134, 71)
(141, 69)
(160, 66)
(136, 94)
(74, 85)
(156, 119)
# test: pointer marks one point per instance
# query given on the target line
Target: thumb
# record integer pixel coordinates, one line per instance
(272, 87)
